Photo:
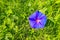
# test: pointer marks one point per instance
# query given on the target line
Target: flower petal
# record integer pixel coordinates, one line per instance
(43, 20)
(38, 26)
(32, 19)
(31, 23)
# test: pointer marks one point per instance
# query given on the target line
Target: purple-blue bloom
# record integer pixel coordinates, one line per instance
(37, 20)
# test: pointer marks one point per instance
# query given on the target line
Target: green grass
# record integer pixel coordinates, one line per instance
(14, 24)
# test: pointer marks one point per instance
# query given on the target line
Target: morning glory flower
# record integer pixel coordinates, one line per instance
(37, 20)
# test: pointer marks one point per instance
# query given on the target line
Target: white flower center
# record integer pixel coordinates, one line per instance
(38, 21)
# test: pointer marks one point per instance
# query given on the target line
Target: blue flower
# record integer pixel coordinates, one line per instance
(37, 20)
